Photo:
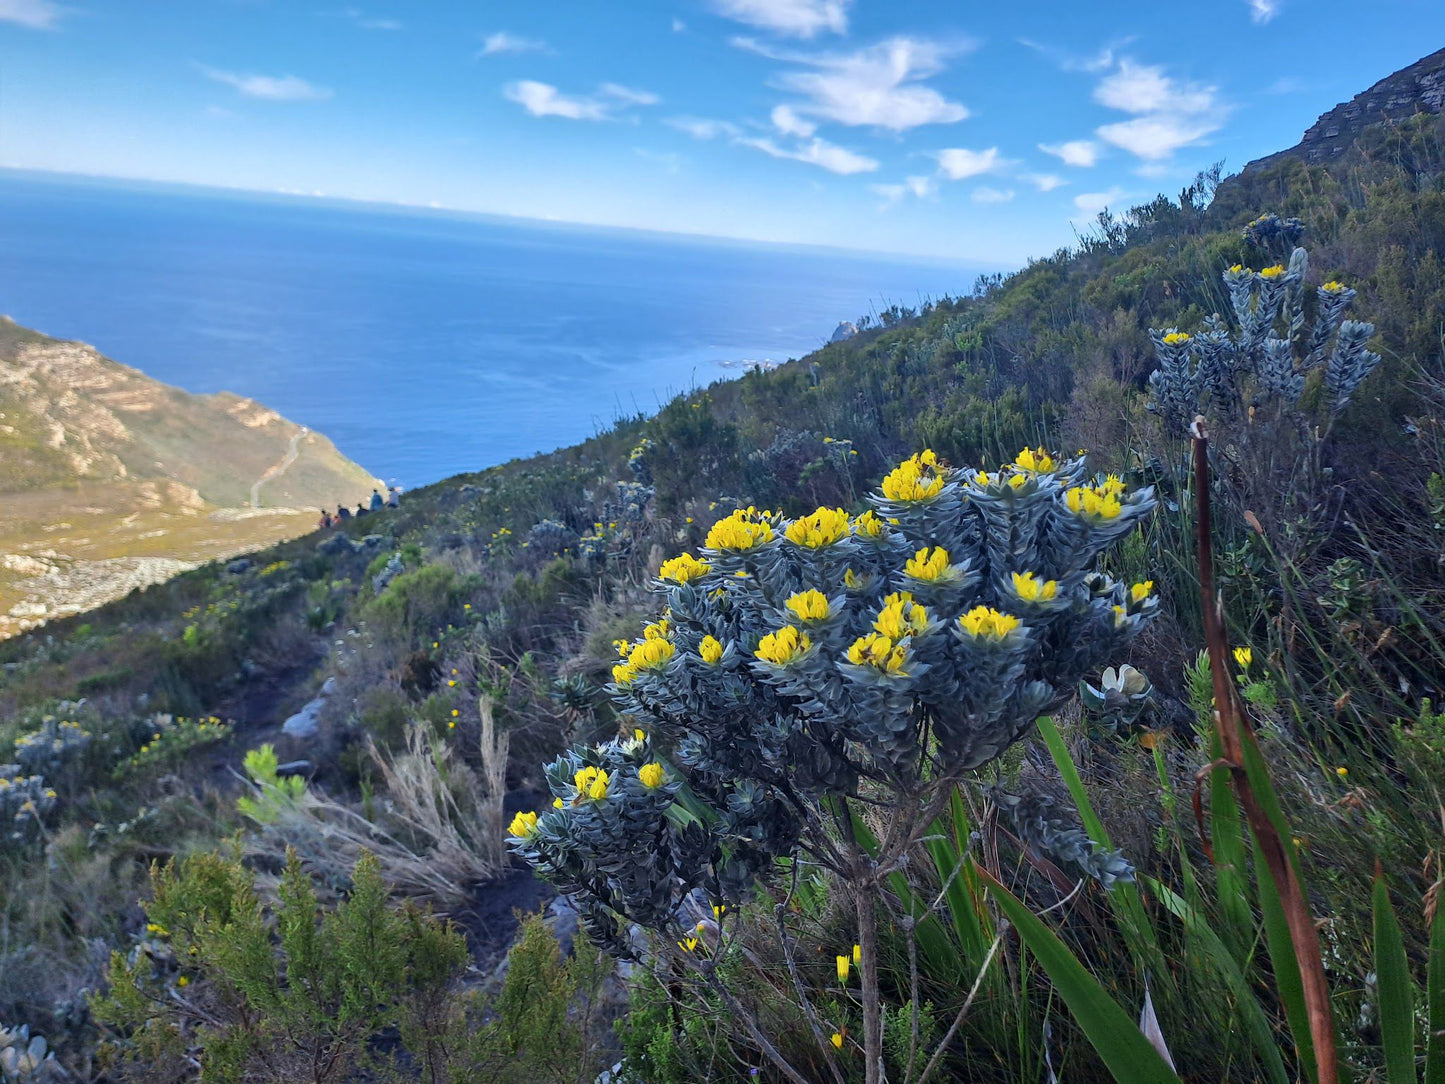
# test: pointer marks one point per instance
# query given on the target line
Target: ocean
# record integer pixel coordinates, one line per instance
(423, 343)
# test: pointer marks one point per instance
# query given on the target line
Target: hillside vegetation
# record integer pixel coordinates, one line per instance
(473, 634)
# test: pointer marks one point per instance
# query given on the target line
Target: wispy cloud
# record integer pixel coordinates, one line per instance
(1089, 204)
(1082, 153)
(1169, 113)
(1100, 61)
(815, 152)
(1044, 182)
(678, 26)
(34, 14)
(545, 100)
(371, 22)
(985, 194)
(959, 163)
(793, 18)
(702, 128)
(879, 86)
(922, 187)
(503, 41)
(789, 123)
(271, 88)
(1262, 11)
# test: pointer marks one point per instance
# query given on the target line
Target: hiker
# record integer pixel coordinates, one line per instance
(325, 520)
(376, 501)
(342, 512)
(360, 509)
(393, 497)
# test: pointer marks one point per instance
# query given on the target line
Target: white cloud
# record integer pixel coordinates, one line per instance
(34, 14)
(1103, 60)
(1044, 182)
(1089, 204)
(878, 86)
(794, 18)
(505, 42)
(1168, 114)
(789, 123)
(956, 163)
(985, 194)
(1262, 11)
(271, 88)
(678, 26)
(380, 24)
(1076, 152)
(816, 152)
(545, 100)
(922, 187)
(702, 128)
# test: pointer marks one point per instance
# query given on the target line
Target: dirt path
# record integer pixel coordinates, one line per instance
(280, 468)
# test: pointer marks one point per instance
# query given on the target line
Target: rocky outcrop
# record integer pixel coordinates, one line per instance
(1420, 88)
(843, 332)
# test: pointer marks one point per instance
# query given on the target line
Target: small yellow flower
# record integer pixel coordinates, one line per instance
(523, 826)
(868, 525)
(451, 684)
(784, 647)
(651, 775)
(452, 724)
(1272, 273)
(928, 564)
(1032, 589)
(915, 479)
(455, 713)
(809, 605)
(743, 530)
(1035, 460)
(710, 650)
(844, 962)
(638, 734)
(1141, 591)
(651, 654)
(557, 803)
(879, 652)
(837, 1040)
(1333, 287)
(684, 568)
(183, 981)
(1342, 771)
(901, 617)
(1092, 503)
(1243, 656)
(858, 955)
(818, 530)
(624, 673)
(986, 623)
(1176, 338)
(688, 944)
(591, 783)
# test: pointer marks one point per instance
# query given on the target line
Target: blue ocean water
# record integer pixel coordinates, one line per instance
(422, 343)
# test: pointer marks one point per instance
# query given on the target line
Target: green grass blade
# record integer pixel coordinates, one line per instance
(1397, 996)
(1285, 965)
(1435, 992)
(1110, 1030)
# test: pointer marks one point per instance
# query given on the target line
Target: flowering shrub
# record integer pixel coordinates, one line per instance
(170, 742)
(24, 802)
(796, 660)
(53, 748)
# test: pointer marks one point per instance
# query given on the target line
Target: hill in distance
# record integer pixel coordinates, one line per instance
(111, 480)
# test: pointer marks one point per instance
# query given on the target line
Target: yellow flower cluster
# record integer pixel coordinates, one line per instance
(523, 826)
(918, 478)
(1096, 502)
(651, 775)
(880, 652)
(652, 654)
(591, 783)
(1176, 338)
(1333, 287)
(1272, 273)
(1243, 656)
(984, 622)
(710, 650)
(1141, 591)
(819, 529)
(928, 564)
(901, 617)
(1035, 460)
(868, 525)
(684, 568)
(1032, 589)
(784, 647)
(745, 529)
(811, 605)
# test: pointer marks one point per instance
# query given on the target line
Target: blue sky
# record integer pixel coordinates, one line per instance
(979, 132)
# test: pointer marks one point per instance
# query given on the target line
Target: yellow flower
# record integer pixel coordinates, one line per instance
(651, 775)
(837, 1040)
(809, 605)
(157, 930)
(879, 652)
(915, 479)
(684, 568)
(523, 826)
(1036, 460)
(1176, 338)
(688, 944)
(852, 581)
(183, 981)
(858, 955)
(901, 617)
(623, 673)
(843, 964)
(1342, 772)
(1085, 501)
(740, 531)
(1333, 287)
(1031, 589)
(711, 650)
(639, 734)
(784, 647)
(868, 525)
(928, 564)
(1243, 656)
(1237, 268)
(658, 630)
(983, 622)
(557, 803)
(591, 783)
(1272, 273)
(622, 647)
(651, 654)
(1140, 591)
(818, 530)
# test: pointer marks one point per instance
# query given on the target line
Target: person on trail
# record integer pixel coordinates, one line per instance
(325, 520)
(376, 501)
(360, 509)
(342, 512)
(393, 497)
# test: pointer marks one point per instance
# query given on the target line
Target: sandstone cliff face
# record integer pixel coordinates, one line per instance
(1420, 88)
